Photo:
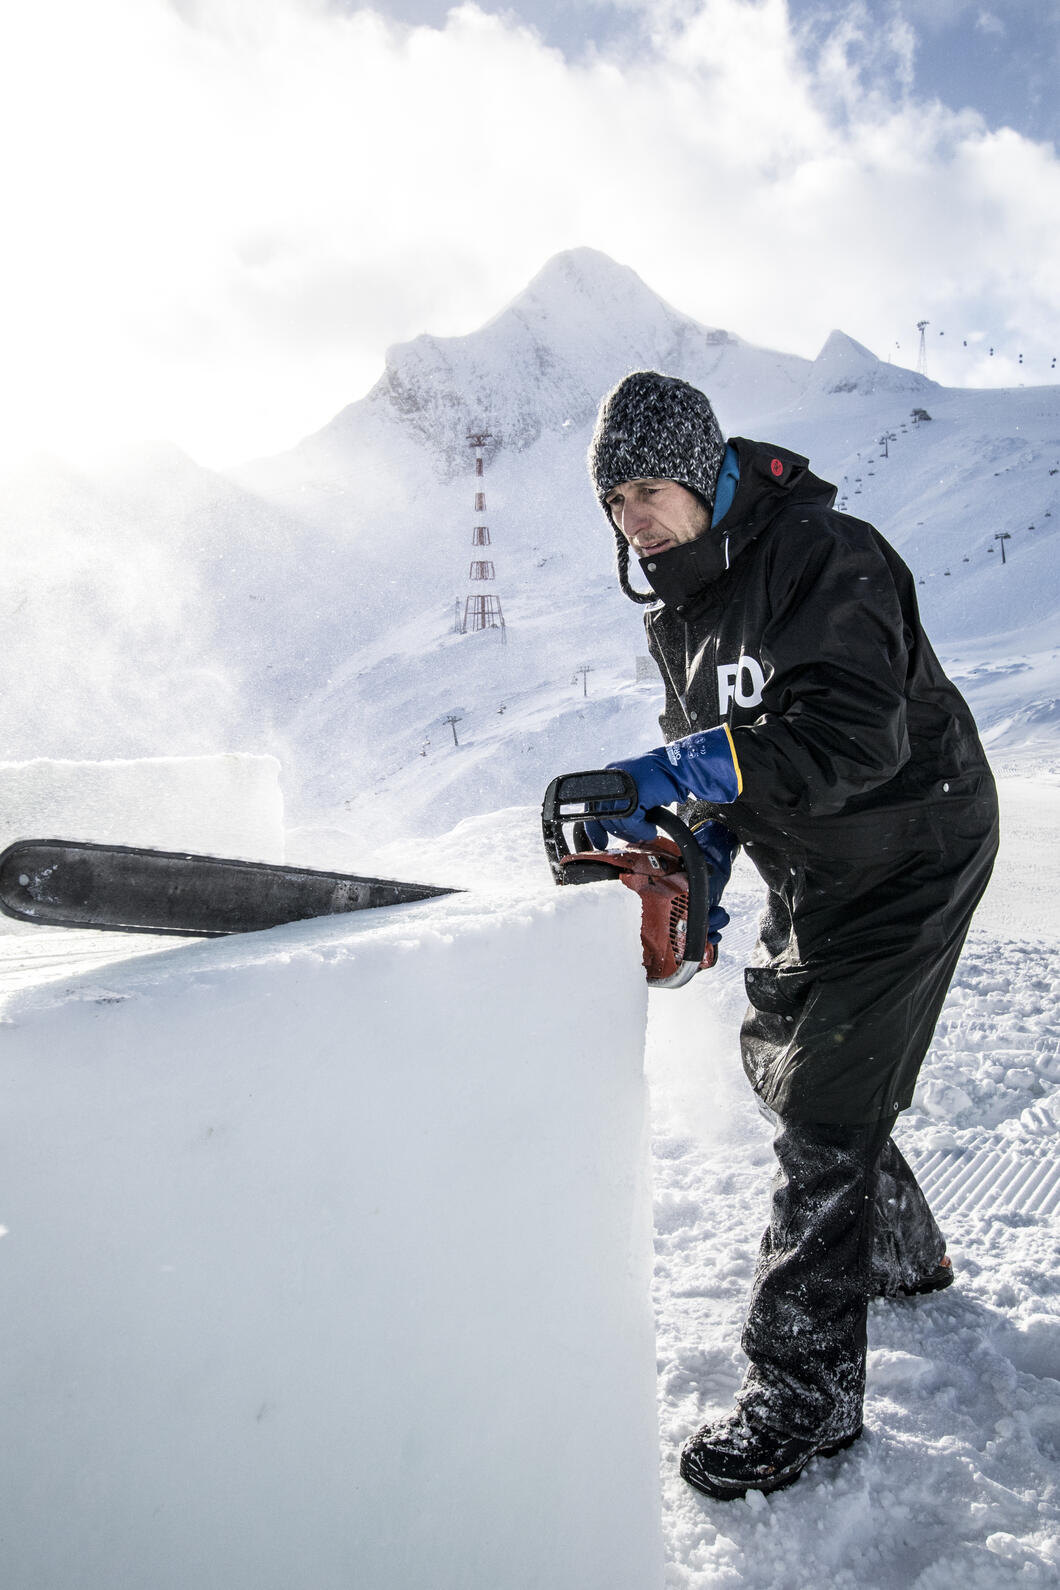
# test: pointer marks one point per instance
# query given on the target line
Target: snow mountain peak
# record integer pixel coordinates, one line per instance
(541, 365)
(844, 365)
(583, 283)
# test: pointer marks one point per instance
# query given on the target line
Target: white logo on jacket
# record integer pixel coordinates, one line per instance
(734, 680)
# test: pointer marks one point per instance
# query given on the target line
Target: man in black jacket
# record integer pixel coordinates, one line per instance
(808, 720)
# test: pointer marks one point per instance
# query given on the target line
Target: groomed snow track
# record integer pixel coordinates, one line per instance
(1021, 1181)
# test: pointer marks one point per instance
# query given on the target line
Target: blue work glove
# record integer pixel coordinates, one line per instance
(719, 847)
(700, 767)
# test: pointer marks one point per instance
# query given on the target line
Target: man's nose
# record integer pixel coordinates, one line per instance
(635, 516)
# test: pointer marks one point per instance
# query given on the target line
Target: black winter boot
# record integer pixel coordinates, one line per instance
(732, 1457)
(941, 1276)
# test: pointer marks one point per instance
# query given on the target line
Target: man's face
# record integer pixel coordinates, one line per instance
(655, 515)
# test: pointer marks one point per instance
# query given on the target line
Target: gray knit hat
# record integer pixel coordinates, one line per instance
(653, 426)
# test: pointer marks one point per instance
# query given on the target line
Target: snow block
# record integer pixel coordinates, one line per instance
(327, 1260)
(225, 805)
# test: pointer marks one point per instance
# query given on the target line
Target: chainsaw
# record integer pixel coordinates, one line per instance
(669, 873)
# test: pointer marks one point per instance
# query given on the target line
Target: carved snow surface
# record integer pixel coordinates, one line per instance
(328, 1256)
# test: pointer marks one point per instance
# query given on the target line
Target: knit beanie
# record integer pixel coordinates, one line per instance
(653, 426)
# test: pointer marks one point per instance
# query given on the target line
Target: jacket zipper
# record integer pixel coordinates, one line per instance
(680, 694)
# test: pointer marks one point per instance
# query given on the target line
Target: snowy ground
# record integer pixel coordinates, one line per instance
(955, 1480)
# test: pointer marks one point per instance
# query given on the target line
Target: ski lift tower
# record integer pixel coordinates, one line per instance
(482, 609)
(921, 358)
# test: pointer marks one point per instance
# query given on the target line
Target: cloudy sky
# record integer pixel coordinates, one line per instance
(219, 213)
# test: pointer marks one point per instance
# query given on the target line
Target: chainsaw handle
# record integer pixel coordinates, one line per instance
(582, 843)
(573, 797)
(698, 873)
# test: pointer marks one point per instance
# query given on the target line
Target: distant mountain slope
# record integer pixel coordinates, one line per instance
(943, 489)
(844, 365)
(538, 368)
(533, 376)
(305, 604)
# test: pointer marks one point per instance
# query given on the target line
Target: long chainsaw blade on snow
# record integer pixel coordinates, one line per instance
(72, 883)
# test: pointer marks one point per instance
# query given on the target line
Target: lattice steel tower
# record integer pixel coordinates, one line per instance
(482, 609)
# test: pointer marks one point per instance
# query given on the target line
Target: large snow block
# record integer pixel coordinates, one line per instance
(228, 804)
(327, 1260)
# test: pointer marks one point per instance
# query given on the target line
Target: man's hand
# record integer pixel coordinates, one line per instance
(699, 767)
(719, 847)
(656, 786)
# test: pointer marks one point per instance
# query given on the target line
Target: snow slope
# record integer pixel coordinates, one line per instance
(955, 1481)
(303, 606)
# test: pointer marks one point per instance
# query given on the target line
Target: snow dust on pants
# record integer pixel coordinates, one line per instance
(848, 1221)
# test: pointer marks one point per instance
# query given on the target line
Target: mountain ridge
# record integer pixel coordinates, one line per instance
(308, 604)
(581, 324)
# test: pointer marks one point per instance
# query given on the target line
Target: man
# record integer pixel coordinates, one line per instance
(808, 720)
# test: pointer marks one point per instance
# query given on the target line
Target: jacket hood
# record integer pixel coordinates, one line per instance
(770, 479)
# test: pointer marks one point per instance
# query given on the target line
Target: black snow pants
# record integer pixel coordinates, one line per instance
(848, 1222)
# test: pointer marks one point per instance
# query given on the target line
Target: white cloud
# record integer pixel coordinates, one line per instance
(987, 22)
(225, 210)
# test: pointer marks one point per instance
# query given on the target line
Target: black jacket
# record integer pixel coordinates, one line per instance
(867, 802)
